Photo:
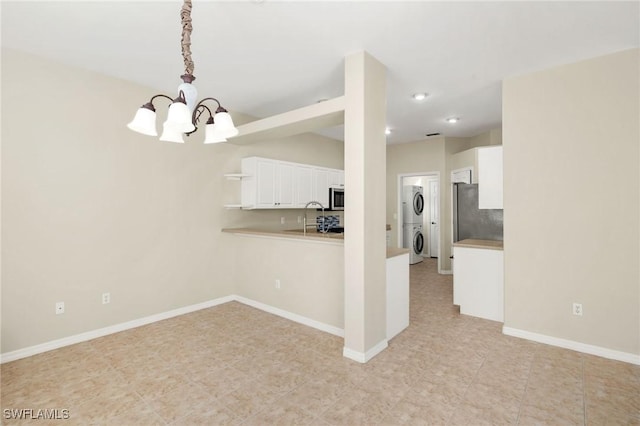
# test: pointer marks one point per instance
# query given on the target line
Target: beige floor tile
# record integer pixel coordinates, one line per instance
(316, 396)
(355, 408)
(106, 406)
(551, 412)
(248, 400)
(281, 413)
(224, 381)
(467, 414)
(179, 402)
(208, 414)
(429, 412)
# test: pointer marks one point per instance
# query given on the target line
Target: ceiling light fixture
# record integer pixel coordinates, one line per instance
(387, 131)
(452, 120)
(419, 96)
(184, 114)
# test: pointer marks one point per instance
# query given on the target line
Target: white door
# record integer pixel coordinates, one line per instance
(434, 220)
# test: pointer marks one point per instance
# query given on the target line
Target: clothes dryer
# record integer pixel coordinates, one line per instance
(412, 204)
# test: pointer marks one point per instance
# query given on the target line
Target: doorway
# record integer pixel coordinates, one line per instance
(430, 221)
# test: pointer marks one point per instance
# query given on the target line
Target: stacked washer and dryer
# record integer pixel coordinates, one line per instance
(412, 208)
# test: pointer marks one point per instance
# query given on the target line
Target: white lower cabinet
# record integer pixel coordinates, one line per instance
(478, 282)
(397, 294)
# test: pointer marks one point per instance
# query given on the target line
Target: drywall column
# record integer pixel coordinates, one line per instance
(365, 240)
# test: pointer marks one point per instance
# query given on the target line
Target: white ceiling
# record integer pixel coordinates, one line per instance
(267, 57)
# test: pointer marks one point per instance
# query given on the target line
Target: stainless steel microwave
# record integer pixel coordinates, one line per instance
(336, 198)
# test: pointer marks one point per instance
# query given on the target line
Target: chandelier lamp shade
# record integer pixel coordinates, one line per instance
(185, 112)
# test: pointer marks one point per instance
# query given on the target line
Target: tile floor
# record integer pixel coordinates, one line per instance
(233, 364)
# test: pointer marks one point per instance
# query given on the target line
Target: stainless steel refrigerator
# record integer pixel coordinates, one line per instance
(471, 222)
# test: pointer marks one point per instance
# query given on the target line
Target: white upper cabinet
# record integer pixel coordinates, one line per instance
(285, 185)
(274, 184)
(266, 183)
(304, 184)
(336, 177)
(490, 177)
(321, 185)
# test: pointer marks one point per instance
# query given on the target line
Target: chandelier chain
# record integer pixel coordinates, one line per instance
(185, 16)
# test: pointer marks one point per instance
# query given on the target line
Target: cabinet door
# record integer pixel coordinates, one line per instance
(490, 177)
(304, 185)
(285, 185)
(336, 177)
(265, 184)
(321, 186)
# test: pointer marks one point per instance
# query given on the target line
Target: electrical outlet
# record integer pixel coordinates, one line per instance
(59, 308)
(577, 309)
(282, 220)
(106, 298)
(278, 284)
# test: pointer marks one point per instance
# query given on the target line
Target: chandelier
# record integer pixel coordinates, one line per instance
(184, 114)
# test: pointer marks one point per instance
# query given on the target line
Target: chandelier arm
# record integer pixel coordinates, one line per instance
(185, 17)
(210, 99)
(197, 113)
(160, 96)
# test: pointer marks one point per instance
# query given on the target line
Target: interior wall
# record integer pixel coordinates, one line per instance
(415, 157)
(311, 276)
(90, 207)
(571, 201)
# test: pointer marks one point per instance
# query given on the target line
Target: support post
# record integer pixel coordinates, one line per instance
(365, 207)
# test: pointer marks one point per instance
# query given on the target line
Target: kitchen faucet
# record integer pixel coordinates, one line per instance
(323, 229)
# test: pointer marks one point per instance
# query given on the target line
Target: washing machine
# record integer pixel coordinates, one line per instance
(412, 204)
(414, 241)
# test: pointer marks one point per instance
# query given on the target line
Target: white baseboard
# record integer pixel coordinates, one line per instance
(363, 357)
(445, 272)
(573, 345)
(291, 316)
(89, 335)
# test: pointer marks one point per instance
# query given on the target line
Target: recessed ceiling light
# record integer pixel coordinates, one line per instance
(419, 96)
(387, 131)
(452, 120)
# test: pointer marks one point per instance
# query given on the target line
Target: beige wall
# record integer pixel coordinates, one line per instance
(90, 207)
(416, 157)
(571, 197)
(311, 276)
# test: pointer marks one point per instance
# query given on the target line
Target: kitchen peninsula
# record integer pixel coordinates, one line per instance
(301, 277)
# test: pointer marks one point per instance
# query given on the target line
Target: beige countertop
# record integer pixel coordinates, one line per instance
(481, 244)
(395, 251)
(297, 234)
